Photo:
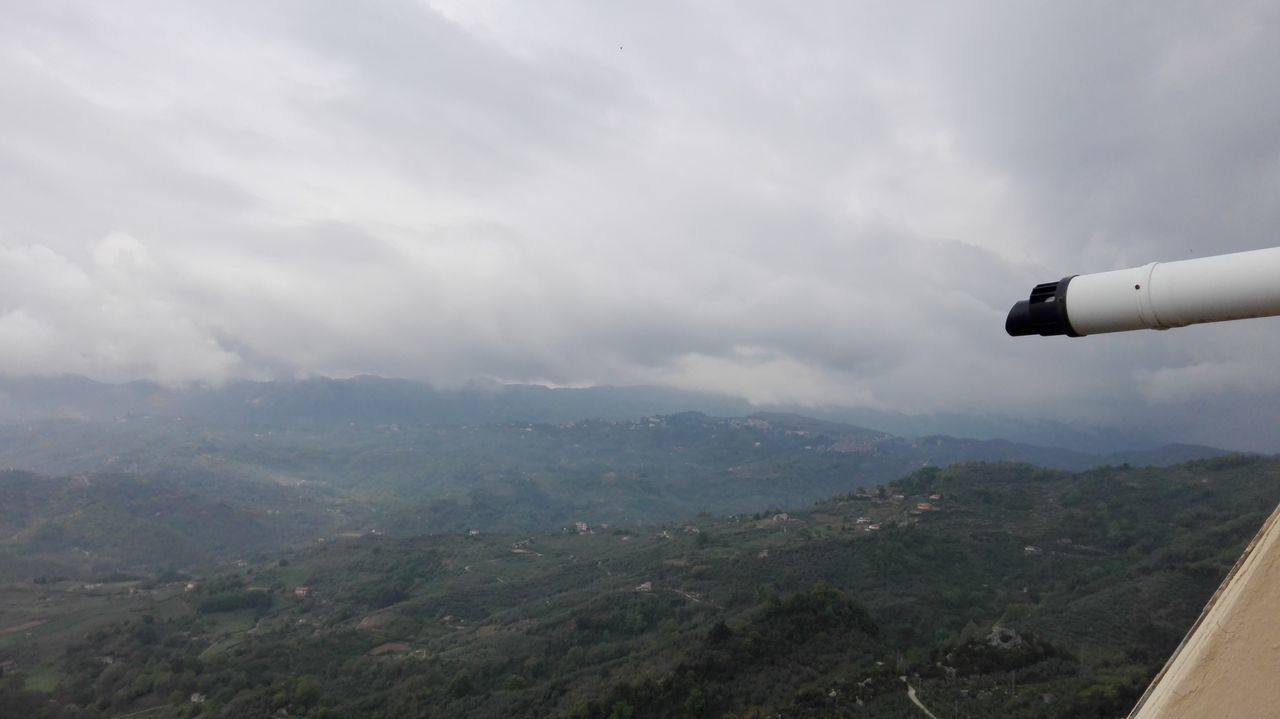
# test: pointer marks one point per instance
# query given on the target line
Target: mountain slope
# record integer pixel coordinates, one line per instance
(520, 476)
(1019, 592)
(107, 523)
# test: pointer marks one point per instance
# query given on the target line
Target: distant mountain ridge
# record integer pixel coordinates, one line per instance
(322, 401)
(519, 476)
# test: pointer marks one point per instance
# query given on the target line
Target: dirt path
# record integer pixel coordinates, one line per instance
(911, 694)
(144, 712)
(23, 626)
(691, 597)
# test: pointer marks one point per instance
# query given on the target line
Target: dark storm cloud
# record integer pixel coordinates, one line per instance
(828, 203)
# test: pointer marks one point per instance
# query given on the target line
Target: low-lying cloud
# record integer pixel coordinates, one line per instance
(826, 204)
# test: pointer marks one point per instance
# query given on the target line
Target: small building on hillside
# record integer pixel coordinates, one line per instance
(924, 507)
(645, 587)
(581, 527)
(302, 592)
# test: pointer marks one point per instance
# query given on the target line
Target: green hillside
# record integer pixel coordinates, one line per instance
(519, 476)
(99, 524)
(1017, 592)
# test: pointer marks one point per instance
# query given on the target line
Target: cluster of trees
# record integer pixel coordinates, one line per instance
(723, 630)
(234, 601)
(776, 658)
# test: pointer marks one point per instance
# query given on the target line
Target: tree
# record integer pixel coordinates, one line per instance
(695, 704)
(306, 692)
(461, 687)
(514, 683)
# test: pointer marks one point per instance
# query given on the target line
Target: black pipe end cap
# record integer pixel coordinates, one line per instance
(1044, 313)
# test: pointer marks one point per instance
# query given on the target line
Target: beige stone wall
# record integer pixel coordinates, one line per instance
(1228, 666)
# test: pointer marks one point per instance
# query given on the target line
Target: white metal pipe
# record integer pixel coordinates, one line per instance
(1157, 296)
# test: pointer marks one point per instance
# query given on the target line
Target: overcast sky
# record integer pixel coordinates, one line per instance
(818, 202)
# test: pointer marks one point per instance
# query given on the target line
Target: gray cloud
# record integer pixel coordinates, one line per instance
(832, 203)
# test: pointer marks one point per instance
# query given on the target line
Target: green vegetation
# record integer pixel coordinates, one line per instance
(1019, 592)
(155, 492)
(44, 679)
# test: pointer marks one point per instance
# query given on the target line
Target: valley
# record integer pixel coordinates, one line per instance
(811, 611)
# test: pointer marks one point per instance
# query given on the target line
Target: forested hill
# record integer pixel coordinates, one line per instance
(94, 525)
(281, 484)
(986, 590)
